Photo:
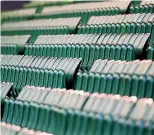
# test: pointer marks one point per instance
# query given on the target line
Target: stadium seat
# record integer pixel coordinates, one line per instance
(78, 68)
(150, 52)
(13, 44)
(5, 89)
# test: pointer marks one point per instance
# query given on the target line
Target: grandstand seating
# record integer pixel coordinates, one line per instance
(78, 68)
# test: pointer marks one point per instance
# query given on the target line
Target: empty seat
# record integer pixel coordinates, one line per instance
(150, 52)
(5, 89)
(39, 27)
(134, 78)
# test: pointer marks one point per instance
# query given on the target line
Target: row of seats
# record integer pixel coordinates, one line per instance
(87, 6)
(8, 129)
(5, 88)
(29, 12)
(145, 6)
(78, 10)
(104, 76)
(73, 112)
(90, 47)
(130, 23)
(70, 10)
(118, 77)
(107, 46)
(85, 10)
(21, 76)
(56, 97)
(34, 121)
(38, 71)
(41, 27)
(31, 24)
(125, 18)
(68, 65)
(138, 67)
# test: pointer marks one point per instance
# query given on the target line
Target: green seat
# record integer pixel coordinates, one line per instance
(150, 52)
(5, 89)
